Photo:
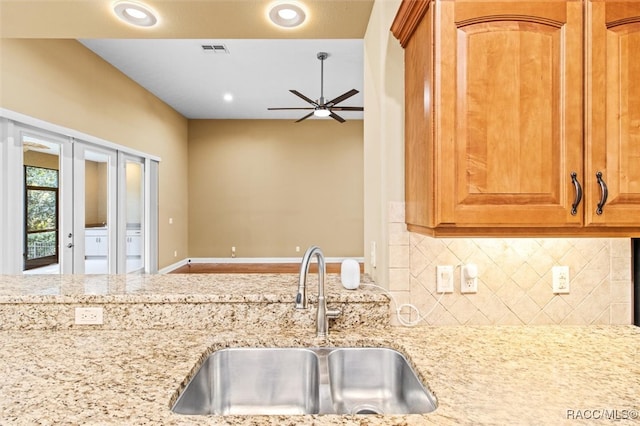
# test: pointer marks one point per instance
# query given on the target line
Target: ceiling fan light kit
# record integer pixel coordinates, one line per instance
(320, 108)
(321, 112)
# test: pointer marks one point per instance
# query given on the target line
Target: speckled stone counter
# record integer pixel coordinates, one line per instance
(129, 373)
(172, 288)
(546, 375)
(214, 302)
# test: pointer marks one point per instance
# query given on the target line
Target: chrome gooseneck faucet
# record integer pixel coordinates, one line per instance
(323, 315)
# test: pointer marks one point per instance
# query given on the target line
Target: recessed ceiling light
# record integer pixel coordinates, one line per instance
(134, 13)
(228, 97)
(287, 14)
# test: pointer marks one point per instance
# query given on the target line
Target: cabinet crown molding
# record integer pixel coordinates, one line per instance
(409, 15)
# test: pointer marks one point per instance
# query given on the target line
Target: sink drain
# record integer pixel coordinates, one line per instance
(366, 409)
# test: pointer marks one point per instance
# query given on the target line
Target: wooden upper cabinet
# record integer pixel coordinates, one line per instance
(511, 113)
(495, 115)
(612, 46)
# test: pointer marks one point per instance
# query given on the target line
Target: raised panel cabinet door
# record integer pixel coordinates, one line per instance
(613, 113)
(510, 117)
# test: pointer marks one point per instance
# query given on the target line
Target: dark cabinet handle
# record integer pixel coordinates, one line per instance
(604, 193)
(578, 188)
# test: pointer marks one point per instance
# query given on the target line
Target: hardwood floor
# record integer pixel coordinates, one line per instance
(252, 268)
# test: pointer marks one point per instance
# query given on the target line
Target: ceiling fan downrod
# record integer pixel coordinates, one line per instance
(322, 56)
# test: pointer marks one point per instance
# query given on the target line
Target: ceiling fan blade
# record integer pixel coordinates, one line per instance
(342, 97)
(300, 95)
(347, 108)
(305, 117)
(336, 117)
(277, 109)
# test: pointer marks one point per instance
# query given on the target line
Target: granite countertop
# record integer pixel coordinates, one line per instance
(479, 375)
(173, 288)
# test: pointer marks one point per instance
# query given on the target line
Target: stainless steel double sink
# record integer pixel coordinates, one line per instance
(291, 381)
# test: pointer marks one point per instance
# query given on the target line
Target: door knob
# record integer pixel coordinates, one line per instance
(69, 245)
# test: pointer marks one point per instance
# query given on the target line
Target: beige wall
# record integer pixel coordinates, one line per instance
(40, 159)
(267, 186)
(62, 82)
(384, 133)
(91, 185)
(95, 197)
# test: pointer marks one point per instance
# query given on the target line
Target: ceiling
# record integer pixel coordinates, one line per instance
(262, 64)
(258, 73)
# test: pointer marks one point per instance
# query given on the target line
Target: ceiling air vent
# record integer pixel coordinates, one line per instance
(215, 48)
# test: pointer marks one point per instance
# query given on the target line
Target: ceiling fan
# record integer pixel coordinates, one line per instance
(321, 108)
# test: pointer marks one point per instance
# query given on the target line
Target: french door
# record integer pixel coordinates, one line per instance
(70, 206)
(47, 201)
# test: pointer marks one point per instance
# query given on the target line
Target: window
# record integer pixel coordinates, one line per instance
(41, 217)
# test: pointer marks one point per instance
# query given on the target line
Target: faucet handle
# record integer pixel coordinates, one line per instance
(333, 313)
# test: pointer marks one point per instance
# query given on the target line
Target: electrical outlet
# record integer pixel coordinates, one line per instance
(89, 316)
(233, 251)
(469, 278)
(560, 279)
(444, 279)
(175, 253)
(297, 249)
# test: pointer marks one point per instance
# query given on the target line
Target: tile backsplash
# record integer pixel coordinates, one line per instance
(514, 278)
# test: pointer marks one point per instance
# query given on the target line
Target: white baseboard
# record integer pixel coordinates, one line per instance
(194, 260)
(265, 259)
(172, 267)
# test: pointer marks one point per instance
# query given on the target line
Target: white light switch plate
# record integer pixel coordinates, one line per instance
(560, 279)
(444, 279)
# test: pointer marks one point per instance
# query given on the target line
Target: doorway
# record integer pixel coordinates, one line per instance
(42, 225)
(133, 212)
(95, 197)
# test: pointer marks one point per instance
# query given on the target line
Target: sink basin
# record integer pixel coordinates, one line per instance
(253, 381)
(290, 381)
(375, 381)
